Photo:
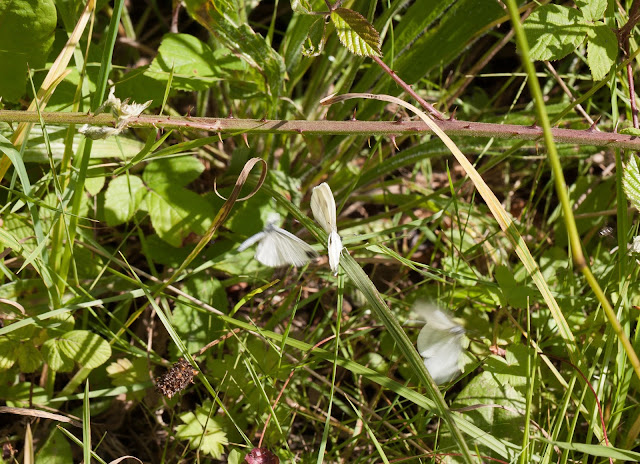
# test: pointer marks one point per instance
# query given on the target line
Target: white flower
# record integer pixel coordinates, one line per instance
(123, 112)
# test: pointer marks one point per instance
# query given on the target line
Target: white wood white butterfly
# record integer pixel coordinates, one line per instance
(278, 247)
(323, 206)
(440, 342)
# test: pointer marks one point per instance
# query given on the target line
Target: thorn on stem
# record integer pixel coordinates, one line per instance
(353, 117)
(452, 117)
(393, 140)
(593, 126)
(220, 137)
(230, 115)
(246, 140)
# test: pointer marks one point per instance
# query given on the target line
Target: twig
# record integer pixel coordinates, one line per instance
(369, 128)
(407, 88)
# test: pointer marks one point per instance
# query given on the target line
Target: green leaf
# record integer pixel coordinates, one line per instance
(26, 35)
(56, 450)
(554, 31)
(630, 131)
(123, 198)
(356, 33)
(175, 213)
(592, 10)
(222, 21)
(602, 50)
(195, 66)
(57, 360)
(176, 172)
(196, 327)
(631, 181)
(86, 348)
(301, 6)
(203, 431)
(29, 358)
(314, 43)
(516, 294)
(81, 346)
(8, 353)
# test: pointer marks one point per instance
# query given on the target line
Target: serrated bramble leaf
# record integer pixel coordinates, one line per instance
(592, 10)
(57, 360)
(356, 33)
(631, 181)
(554, 31)
(86, 348)
(602, 50)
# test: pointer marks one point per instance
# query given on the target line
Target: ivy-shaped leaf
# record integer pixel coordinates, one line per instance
(123, 198)
(602, 50)
(631, 181)
(203, 431)
(356, 33)
(554, 31)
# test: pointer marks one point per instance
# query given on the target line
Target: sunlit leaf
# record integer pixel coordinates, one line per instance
(356, 33)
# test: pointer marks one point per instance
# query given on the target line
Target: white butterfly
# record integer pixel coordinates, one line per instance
(439, 342)
(278, 247)
(323, 206)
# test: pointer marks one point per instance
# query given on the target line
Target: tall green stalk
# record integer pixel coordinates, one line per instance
(82, 163)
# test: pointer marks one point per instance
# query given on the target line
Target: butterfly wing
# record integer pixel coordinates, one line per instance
(439, 343)
(280, 248)
(323, 206)
(251, 240)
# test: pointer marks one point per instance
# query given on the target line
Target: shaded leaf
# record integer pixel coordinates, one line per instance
(602, 50)
(195, 66)
(314, 43)
(356, 33)
(26, 35)
(123, 198)
(86, 348)
(176, 212)
(554, 31)
(222, 21)
(176, 172)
